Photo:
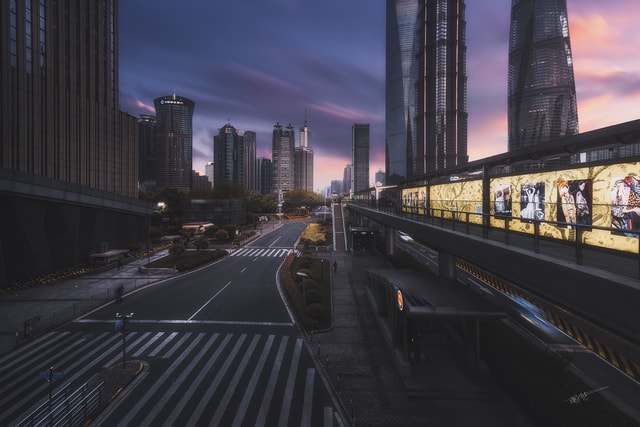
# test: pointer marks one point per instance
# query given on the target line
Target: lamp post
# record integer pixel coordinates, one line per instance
(304, 287)
(122, 324)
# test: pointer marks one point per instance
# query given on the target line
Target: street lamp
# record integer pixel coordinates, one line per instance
(304, 286)
(122, 324)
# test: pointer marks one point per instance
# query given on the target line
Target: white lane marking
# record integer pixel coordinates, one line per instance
(288, 393)
(210, 299)
(271, 385)
(308, 398)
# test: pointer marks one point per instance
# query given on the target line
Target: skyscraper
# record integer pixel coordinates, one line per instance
(360, 157)
(147, 153)
(401, 75)
(174, 142)
(542, 95)
(59, 96)
(264, 175)
(229, 157)
(426, 87)
(303, 162)
(346, 179)
(441, 87)
(282, 148)
(250, 139)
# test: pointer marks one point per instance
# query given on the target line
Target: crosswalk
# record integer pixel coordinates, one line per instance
(193, 377)
(262, 252)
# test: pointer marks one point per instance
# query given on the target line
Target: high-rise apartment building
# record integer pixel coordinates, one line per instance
(360, 156)
(426, 87)
(250, 140)
(282, 159)
(303, 162)
(229, 157)
(174, 142)
(208, 171)
(541, 95)
(147, 153)
(264, 175)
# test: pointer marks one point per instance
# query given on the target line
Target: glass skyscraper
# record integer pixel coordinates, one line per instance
(401, 73)
(229, 157)
(282, 149)
(426, 87)
(542, 94)
(174, 142)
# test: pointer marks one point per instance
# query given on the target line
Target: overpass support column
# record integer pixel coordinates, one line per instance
(390, 240)
(446, 265)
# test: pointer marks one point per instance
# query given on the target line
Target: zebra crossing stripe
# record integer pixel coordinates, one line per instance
(126, 421)
(148, 344)
(176, 346)
(206, 397)
(163, 344)
(149, 416)
(36, 348)
(131, 346)
(188, 395)
(228, 393)
(268, 394)
(251, 387)
(308, 398)
(288, 393)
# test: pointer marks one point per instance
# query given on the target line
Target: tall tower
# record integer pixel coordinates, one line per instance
(229, 157)
(401, 74)
(282, 149)
(174, 138)
(441, 87)
(360, 157)
(542, 93)
(147, 153)
(303, 161)
(250, 139)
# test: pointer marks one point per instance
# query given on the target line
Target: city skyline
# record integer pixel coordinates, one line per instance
(288, 59)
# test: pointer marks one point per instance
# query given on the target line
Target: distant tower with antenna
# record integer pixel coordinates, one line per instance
(303, 160)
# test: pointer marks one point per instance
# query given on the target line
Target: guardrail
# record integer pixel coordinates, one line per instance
(65, 408)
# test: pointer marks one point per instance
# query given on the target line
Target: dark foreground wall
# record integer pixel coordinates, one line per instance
(44, 228)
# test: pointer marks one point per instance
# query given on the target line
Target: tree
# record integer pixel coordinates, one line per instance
(229, 190)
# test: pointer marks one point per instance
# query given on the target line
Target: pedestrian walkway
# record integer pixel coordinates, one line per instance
(358, 360)
(51, 305)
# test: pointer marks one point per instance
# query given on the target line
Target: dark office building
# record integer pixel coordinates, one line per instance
(68, 155)
(426, 87)
(441, 89)
(264, 175)
(229, 157)
(360, 156)
(174, 142)
(542, 94)
(250, 140)
(282, 149)
(147, 153)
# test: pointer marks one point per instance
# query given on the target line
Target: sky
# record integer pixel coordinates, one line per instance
(257, 63)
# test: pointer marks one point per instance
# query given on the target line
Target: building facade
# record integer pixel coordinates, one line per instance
(542, 102)
(250, 140)
(441, 89)
(426, 87)
(264, 175)
(346, 179)
(68, 155)
(401, 74)
(282, 158)
(229, 157)
(303, 162)
(147, 153)
(360, 157)
(174, 142)
(82, 139)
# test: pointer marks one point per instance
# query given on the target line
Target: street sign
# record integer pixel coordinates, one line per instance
(55, 375)
(118, 324)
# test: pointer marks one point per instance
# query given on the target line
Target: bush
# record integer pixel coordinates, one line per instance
(309, 284)
(313, 297)
(222, 235)
(316, 311)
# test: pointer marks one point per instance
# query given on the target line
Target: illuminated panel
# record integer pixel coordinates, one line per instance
(603, 200)
(414, 200)
(460, 196)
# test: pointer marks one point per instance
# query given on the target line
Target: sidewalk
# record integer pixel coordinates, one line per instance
(55, 304)
(358, 361)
